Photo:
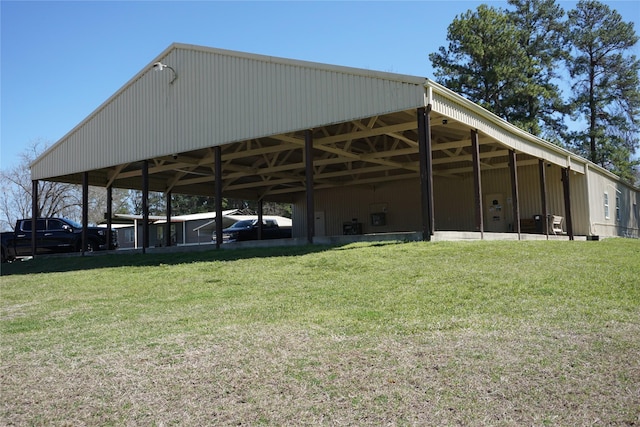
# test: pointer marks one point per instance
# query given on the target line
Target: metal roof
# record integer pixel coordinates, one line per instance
(257, 109)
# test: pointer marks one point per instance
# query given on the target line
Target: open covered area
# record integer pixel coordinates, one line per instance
(356, 152)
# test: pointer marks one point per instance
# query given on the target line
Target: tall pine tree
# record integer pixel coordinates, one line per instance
(539, 103)
(505, 62)
(606, 86)
(483, 60)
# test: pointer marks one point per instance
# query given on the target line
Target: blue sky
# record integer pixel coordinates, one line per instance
(61, 60)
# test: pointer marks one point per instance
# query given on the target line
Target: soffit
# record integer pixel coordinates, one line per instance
(363, 152)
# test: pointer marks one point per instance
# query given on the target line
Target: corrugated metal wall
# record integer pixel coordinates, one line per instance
(579, 203)
(529, 193)
(217, 98)
(444, 104)
(623, 206)
(453, 200)
(454, 203)
(399, 200)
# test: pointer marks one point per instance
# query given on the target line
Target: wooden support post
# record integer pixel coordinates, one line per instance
(218, 197)
(85, 210)
(35, 213)
(477, 182)
(109, 215)
(567, 201)
(145, 205)
(308, 159)
(167, 229)
(513, 168)
(426, 171)
(543, 196)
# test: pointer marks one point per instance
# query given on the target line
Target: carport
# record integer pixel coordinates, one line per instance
(205, 121)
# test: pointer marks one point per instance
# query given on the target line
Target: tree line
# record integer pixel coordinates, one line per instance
(568, 77)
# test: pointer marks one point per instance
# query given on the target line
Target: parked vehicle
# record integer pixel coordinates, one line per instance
(53, 235)
(248, 230)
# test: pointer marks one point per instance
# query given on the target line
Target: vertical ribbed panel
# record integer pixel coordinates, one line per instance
(470, 115)
(629, 223)
(221, 97)
(454, 204)
(579, 204)
(498, 181)
(399, 200)
(453, 199)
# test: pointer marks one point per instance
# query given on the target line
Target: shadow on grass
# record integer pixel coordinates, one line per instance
(77, 262)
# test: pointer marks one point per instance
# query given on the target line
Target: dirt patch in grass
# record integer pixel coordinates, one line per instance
(286, 376)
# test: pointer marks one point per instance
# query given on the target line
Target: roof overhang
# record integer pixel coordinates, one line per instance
(356, 141)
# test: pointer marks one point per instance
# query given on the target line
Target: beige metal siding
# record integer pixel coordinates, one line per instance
(453, 204)
(221, 97)
(579, 204)
(400, 200)
(628, 225)
(446, 105)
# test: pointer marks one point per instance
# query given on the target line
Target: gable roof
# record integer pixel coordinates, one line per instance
(219, 97)
(257, 108)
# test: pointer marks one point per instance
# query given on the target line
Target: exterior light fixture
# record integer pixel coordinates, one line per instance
(159, 66)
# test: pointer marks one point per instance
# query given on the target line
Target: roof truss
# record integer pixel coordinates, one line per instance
(356, 152)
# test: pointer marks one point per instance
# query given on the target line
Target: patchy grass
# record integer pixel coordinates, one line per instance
(473, 333)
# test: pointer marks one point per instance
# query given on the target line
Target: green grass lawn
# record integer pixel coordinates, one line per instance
(448, 333)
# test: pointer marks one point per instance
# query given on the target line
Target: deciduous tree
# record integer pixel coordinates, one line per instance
(54, 199)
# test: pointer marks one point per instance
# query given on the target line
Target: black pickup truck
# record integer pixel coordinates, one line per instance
(248, 230)
(53, 235)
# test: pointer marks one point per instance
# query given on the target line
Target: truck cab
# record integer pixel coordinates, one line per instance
(53, 235)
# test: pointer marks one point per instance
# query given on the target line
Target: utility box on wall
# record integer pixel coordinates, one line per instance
(378, 219)
(353, 227)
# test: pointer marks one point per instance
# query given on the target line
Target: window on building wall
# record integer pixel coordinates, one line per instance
(128, 235)
(606, 205)
(617, 208)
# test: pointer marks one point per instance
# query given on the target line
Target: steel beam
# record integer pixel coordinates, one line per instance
(260, 212)
(543, 195)
(34, 216)
(308, 161)
(566, 186)
(85, 210)
(426, 171)
(477, 182)
(145, 206)
(513, 168)
(168, 226)
(218, 196)
(109, 215)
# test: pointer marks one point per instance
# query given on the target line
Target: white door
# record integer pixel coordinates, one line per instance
(494, 213)
(319, 223)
